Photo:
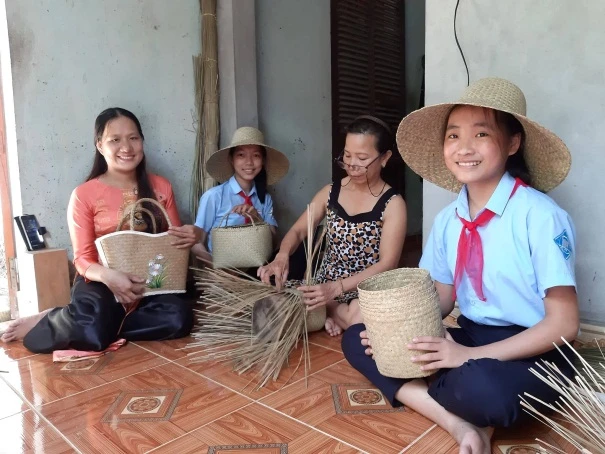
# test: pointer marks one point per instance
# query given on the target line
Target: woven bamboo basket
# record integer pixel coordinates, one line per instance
(316, 319)
(148, 255)
(241, 246)
(397, 306)
(253, 325)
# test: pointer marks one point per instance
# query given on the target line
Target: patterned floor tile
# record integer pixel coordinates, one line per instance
(27, 433)
(143, 405)
(142, 411)
(325, 340)
(520, 440)
(370, 423)
(255, 430)
(524, 437)
(11, 402)
(13, 351)
(41, 381)
(266, 448)
(314, 442)
(434, 441)
(342, 372)
(88, 366)
(134, 401)
(358, 398)
(245, 383)
(170, 349)
(520, 448)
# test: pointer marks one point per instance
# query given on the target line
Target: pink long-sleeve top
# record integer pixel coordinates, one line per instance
(95, 209)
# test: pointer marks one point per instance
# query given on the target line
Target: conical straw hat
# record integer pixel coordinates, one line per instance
(276, 163)
(420, 137)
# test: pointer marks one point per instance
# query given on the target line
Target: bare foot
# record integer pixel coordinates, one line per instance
(332, 327)
(473, 439)
(17, 329)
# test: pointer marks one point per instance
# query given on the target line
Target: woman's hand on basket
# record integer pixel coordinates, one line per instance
(249, 210)
(315, 296)
(126, 287)
(185, 236)
(442, 353)
(365, 341)
(279, 268)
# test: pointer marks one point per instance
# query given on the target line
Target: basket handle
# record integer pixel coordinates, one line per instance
(132, 208)
(149, 213)
(226, 216)
(130, 211)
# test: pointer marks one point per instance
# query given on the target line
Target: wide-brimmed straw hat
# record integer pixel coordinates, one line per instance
(276, 163)
(420, 137)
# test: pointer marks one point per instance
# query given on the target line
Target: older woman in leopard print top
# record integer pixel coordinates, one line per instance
(366, 226)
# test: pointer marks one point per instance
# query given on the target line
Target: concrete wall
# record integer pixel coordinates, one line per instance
(552, 49)
(294, 96)
(72, 59)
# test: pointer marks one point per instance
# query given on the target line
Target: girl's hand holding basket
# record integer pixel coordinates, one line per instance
(186, 236)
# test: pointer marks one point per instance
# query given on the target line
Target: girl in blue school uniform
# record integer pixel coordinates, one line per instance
(245, 168)
(503, 250)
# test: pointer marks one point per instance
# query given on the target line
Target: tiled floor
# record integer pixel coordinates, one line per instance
(150, 397)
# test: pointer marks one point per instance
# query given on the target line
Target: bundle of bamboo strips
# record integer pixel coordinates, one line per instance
(251, 324)
(579, 414)
(592, 353)
(205, 70)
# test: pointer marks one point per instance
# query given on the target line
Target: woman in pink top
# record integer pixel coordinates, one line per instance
(92, 320)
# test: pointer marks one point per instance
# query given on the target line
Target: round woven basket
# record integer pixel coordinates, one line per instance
(241, 246)
(397, 306)
(316, 319)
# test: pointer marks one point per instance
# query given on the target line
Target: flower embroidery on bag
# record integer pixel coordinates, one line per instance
(156, 272)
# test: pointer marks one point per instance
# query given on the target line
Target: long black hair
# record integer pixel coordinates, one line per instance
(260, 180)
(99, 165)
(515, 164)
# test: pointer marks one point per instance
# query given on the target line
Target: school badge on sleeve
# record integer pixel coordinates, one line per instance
(562, 240)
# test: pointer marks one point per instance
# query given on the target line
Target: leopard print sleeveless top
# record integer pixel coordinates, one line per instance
(353, 242)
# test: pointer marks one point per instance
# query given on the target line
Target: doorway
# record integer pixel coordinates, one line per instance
(377, 49)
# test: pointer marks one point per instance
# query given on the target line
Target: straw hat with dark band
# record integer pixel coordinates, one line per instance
(276, 163)
(420, 137)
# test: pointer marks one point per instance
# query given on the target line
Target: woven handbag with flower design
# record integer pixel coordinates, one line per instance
(148, 255)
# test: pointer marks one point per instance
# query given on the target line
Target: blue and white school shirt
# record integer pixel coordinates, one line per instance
(528, 247)
(216, 202)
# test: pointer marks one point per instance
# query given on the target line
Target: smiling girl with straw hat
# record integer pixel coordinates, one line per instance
(504, 250)
(244, 168)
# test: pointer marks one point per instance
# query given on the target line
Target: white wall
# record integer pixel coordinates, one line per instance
(72, 59)
(294, 96)
(552, 49)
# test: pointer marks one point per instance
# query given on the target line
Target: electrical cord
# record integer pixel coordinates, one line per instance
(468, 77)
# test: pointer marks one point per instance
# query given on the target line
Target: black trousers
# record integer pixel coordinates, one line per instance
(484, 392)
(93, 317)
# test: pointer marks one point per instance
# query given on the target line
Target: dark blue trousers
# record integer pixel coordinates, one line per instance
(92, 319)
(484, 392)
